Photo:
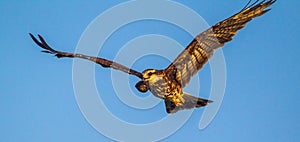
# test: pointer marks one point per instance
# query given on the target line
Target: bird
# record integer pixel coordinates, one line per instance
(167, 84)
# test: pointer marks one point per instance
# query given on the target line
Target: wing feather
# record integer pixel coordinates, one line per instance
(198, 52)
(103, 62)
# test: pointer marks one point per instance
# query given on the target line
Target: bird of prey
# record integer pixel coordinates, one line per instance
(167, 84)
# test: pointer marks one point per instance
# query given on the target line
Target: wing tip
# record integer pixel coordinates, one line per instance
(257, 3)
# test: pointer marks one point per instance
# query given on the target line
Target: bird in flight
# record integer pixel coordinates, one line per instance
(167, 84)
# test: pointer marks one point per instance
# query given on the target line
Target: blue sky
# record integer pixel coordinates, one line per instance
(37, 101)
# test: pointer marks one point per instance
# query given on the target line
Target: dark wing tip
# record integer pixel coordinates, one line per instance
(265, 11)
(43, 44)
(257, 3)
(30, 35)
(46, 51)
(36, 41)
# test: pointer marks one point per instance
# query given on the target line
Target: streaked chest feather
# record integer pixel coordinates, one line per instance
(161, 86)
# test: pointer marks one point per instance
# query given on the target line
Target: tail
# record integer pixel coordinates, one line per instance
(189, 103)
(192, 101)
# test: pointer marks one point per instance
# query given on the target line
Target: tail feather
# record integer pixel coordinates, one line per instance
(190, 102)
(202, 102)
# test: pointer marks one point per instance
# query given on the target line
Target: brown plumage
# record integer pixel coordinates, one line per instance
(197, 53)
(167, 84)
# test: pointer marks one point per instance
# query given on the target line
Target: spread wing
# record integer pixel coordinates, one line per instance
(198, 52)
(103, 62)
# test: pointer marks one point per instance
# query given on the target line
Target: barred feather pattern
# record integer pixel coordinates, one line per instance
(201, 49)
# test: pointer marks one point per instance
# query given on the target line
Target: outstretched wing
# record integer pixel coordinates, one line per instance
(103, 62)
(198, 52)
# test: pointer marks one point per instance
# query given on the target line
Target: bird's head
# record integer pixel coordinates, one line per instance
(147, 74)
(142, 85)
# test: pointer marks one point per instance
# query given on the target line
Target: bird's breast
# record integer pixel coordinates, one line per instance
(161, 86)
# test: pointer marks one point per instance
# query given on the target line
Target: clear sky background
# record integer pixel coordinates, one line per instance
(37, 101)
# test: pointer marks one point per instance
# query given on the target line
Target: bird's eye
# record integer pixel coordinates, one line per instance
(150, 73)
(141, 86)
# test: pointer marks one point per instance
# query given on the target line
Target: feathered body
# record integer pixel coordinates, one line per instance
(170, 91)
